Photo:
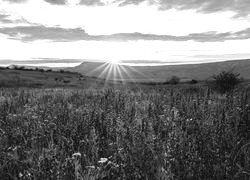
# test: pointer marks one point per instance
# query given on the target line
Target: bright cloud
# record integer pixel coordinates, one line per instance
(180, 31)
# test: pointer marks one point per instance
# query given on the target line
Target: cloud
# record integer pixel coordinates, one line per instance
(64, 2)
(16, 1)
(91, 2)
(41, 61)
(8, 19)
(57, 2)
(200, 37)
(58, 34)
(241, 7)
(40, 32)
(148, 62)
(130, 2)
(4, 18)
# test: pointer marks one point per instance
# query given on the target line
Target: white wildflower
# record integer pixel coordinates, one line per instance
(103, 160)
(77, 154)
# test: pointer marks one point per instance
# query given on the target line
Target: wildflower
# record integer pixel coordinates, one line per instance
(76, 155)
(2, 99)
(90, 167)
(70, 106)
(209, 101)
(34, 116)
(120, 149)
(175, 112)
(52, 125)
(188, 120)
(2, 132)
(103, 160)
(20, 175)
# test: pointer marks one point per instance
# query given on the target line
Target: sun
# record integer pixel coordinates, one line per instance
(113, 61)
(112, 70)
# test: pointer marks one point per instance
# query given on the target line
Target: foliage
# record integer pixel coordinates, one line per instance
(174, 80)
(23, 68)
(226, 81)
(66, 81)
(165, 133)
(193, 81)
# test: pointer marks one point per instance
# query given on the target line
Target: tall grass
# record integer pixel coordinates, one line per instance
(164, 133)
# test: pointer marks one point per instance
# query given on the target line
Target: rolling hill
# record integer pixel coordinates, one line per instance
(42, 78)
(161, 73)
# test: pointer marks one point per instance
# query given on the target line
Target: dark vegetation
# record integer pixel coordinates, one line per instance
(23, 68)
(16, 76)
(174, 80)
(171, 131)
(193, 81)
(226, 81)
(160, 133)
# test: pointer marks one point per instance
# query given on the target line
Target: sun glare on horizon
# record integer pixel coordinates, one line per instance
(113, 61)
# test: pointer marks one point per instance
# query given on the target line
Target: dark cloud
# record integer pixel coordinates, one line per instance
(15, 1)
(129, 2)
(241, 7)
(6, 19)
(64, 2)
(57, 2)
(91, 2)
(200, 37)
(41, 61)
(58, 34)
(39, 32)
(147, 61)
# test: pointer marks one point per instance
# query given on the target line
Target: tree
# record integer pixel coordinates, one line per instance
(193, 81)
(226, 81)
(174, 80)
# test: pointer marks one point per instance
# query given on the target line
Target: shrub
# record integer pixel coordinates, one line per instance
(174, 80)
(193, 81)
(226, 81)
(66, 81)
(41, 70)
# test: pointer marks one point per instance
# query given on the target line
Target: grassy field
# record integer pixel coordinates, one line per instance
(13, 78)
(172, 132)
(47, 79)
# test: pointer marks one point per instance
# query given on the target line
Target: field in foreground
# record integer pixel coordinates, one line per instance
(166, 133)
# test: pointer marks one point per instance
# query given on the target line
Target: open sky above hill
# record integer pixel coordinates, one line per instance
(66, 32)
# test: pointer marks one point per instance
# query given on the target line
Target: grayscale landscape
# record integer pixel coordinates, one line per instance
(124, 90)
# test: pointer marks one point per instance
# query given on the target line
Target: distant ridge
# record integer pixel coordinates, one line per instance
(164, 72)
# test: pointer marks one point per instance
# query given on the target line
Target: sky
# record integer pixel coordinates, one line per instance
(136, 32)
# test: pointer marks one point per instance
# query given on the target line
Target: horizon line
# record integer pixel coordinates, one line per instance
(70, 62)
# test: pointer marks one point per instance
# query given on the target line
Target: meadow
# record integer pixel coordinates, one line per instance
(148, 133)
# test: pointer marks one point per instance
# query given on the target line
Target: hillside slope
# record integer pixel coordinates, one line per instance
(161, 73)
(36, 78)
